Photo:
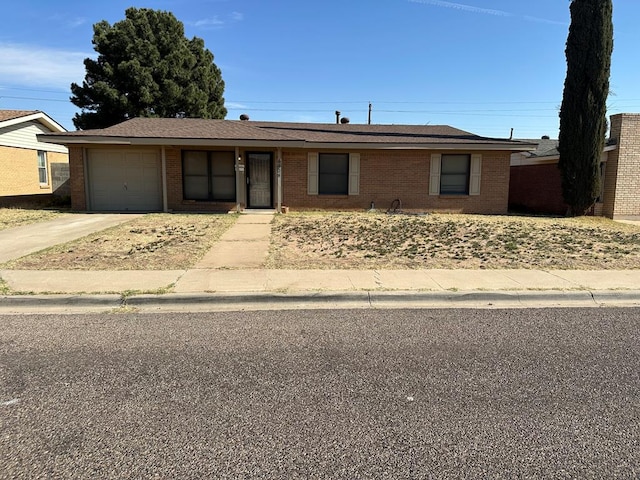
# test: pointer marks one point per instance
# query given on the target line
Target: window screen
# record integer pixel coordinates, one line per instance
(333, 174)
(454, 174)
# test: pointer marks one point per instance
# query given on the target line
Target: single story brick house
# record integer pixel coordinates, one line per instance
(185, 164)
(30, 167)
(535, 184)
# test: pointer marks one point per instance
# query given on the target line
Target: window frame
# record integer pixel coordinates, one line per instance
(210, 176)
(43, 167)
(466, 173)
(344, 182)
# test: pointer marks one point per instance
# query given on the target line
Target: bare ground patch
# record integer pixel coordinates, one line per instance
(16, 217)
(154, 242)
(378, 241)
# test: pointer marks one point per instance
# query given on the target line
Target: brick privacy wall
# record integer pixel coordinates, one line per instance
(76, 178)
(386, 175)
(537, 189)
(622, 183)
(59, 173)
(19, 167)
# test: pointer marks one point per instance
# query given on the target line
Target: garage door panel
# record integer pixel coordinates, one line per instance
(121, 180)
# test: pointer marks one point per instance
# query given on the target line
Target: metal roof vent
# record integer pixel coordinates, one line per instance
(244, 117)
(344, 120)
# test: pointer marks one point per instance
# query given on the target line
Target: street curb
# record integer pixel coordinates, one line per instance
(319, 300)
(58, 303)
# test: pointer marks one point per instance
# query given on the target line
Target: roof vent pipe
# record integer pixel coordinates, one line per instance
(244, 117)
(337, 117)
(344, 120)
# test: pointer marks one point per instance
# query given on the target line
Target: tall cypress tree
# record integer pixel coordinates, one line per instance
(583, 122)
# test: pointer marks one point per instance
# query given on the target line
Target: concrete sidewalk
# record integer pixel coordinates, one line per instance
(200, 281)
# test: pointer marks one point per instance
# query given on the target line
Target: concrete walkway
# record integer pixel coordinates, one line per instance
(20, 241)
(244, 245)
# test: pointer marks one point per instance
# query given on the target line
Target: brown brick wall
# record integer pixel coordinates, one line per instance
(76, 178)
(388, 175)
(19, 167)
(537, 189)
(384, 177)
(622, 184)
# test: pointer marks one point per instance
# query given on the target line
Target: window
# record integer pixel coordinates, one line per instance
(43, 175)
(209, 176)
(454, 174)
(333, 173)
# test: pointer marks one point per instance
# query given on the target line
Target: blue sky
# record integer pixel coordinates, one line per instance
(484, 66)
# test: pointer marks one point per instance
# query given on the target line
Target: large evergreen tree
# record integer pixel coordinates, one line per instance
(146, 67)
(583, 121)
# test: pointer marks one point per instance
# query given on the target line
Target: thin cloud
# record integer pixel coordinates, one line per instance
(69, 21)
(484, 11)
(217, 22)
(33, 65)
(208, 22)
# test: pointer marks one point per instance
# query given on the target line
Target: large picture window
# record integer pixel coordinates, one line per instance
(333, 174)
(454, 174)
(209, 176)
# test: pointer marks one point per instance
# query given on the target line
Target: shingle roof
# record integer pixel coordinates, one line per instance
(546, 147)
(11, 114)
(300, 134)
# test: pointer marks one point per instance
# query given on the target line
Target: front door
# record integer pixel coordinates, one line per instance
(259, 179)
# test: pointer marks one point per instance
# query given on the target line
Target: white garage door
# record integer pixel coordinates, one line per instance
(121, 180)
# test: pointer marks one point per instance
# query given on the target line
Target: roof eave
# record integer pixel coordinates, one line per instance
(421, 146)
(42, 117)
(149, 141)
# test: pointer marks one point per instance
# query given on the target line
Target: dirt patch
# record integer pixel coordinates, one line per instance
(153, 242)
(378, 241)
(16, 217)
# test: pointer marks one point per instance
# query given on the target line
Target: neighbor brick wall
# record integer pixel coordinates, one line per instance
(537, 189)
(19, 167)
(622, 184)
(386, 175)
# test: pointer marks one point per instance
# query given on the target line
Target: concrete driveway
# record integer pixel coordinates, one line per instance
(19, 241)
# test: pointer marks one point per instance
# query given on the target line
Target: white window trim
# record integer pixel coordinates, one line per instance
(43, 154)
(313, 175)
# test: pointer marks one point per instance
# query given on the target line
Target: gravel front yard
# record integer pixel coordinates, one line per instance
(379, 241)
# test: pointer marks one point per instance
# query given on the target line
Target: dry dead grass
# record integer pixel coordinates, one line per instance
(16, 217)
(154, 242)
(378, 241)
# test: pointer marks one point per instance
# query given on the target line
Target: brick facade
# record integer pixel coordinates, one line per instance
(537, 189)
(385, 175)
(622, 184)
(20, 171)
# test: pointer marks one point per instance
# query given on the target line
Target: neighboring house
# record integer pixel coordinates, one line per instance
(152, 164)
(536, 187)
(28, 166)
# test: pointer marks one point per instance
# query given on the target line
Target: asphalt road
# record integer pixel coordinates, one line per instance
(322, 394)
